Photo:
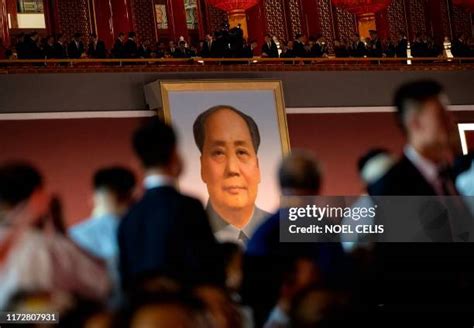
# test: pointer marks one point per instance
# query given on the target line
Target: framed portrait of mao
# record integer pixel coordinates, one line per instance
(232, 136)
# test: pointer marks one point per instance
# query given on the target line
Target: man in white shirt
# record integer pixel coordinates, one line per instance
(113, 191)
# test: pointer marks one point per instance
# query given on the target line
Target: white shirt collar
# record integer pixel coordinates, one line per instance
(427, 168)
(158, 180)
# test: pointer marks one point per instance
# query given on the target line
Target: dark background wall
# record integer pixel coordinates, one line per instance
(126, 91)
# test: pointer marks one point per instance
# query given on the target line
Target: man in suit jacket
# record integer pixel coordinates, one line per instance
(402, 46)
(76, 46)
(299, 175)
(130, 48)
(209, 48)
(96, 48)
(165, 234)
(357, 47)
(299, 48)
(118, 49)
(428, 272)
(269, 48)
(182, 51)
(60, 49)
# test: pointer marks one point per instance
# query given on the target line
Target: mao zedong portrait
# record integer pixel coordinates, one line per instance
(228, 141)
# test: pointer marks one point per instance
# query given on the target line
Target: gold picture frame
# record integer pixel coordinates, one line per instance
(262, 104)
(275, 86)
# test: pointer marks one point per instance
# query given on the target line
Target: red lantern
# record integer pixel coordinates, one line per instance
(467, 4)
(362, 7)
(233, 5)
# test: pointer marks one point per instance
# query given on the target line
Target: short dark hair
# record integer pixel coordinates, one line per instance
(268, 34)
(131, 34)
(119, 180)
(18, 181)
(183, 43)
(300, 171)
(77, 35)
(121, 34)
(200, 122)
(154, 143)
(418, 92)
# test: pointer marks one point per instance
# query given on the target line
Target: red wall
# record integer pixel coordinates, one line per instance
(69, 151)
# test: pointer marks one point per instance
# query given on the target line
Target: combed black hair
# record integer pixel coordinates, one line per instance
(200, 124)
(418, 92)
(300, 171)
(119, 180)
(154, 143)
(17, 182)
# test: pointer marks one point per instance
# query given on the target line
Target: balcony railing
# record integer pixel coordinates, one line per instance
(256, 63)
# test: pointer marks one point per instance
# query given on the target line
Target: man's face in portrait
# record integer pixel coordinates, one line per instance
(229, 163)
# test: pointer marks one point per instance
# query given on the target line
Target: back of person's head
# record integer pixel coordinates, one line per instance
(115, 179)
(374, 164)
(131, 34)
(154, 143)
(412, 95)
(299, 173)
(18, 181)
(165, 309)
(316, 307)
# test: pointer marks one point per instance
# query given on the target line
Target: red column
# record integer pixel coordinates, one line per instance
(104, 21)
(4, 33)
(178, 19)
(382, 24)
(312, 24)
(256, 23)
(121, 16)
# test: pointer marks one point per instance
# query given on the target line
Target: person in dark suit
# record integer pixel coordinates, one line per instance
(182, 51)
(269, 48)
(48, 50)
(318, 48)
(209, 49)
(459, 48)
(31, 48)
(375, 46)
(96, 48)
(130, 48)
(60, 48)
(118, 49)
(402, 46)
(428, 272)
(299, 48)
(145, 50)
(287, 51)
(165, 234)
(76, 47)
(357, 47)
(299, 175)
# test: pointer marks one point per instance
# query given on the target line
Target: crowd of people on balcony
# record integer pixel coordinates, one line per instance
(230, 43)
